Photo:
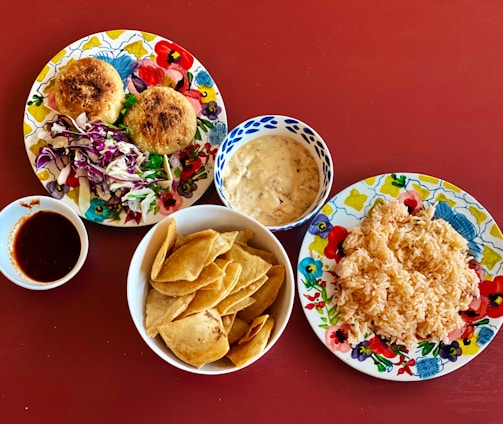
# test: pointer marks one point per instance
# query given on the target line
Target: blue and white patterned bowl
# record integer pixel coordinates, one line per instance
(282, 126)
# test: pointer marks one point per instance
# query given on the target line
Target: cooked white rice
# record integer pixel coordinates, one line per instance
(404, 277)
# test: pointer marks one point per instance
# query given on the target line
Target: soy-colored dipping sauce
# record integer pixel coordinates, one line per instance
(46, 246)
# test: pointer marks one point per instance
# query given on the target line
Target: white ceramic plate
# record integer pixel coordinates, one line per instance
(371, 356)
(142, 59)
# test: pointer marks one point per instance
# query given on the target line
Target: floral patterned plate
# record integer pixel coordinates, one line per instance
(320, 251)
(142, 59)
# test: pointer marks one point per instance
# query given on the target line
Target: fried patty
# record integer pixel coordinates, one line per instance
(92, 86)
(162, 120)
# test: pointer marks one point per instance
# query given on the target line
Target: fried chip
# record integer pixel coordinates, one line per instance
(197, 339)
(228, 322)
(209, 275)
(244, 236)
(265, 295)
(237, 298)
(254, 328)
(210, 298)
(161, 308)
(222, 244)
(187, 262)
(238, 329)
(242, 353)
(209, 293)
(239, 305)
(264, 254)
(165, 250)
(254, 267)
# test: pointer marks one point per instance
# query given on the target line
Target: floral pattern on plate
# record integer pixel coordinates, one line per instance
(143, 60)
(321, 250)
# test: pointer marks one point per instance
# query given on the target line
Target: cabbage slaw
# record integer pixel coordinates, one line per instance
(106, 163)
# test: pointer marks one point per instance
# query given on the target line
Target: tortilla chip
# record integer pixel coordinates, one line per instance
(264, 254)
(210, 298)
(244, 236)
(266, 295)
(197, 339)
(242, 353)
(180, 239)
(229, 304)
(222, 244)
(238, 329)
(227, 321)
(254, 267)
(239, 305)
(209, 275)
(254, 328)
(165, 250)
(161, 308)
(187, 262)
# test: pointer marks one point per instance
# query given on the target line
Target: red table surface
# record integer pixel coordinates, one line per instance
(392, 86)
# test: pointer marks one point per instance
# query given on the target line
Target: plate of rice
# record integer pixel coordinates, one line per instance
(401, 276)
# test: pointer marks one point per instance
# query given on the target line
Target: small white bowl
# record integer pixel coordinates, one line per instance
(281, 126)
(13, 216)
(189, 220)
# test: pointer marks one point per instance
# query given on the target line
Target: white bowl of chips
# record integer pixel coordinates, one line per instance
(276, 169)
(210, 290)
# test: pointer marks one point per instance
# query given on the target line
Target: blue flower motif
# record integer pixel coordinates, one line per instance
(461, 224)
(217, 133)
(311, 269)
(320, 226)
(485, 335)
(98, 211)
(428, 367)
(123, 64)
(204, 78)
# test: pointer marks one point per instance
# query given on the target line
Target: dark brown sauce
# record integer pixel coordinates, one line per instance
(46, 246)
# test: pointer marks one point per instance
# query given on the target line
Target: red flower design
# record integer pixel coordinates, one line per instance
(169, 202)
(493, 292)
(190, 161)
(336, 236)
(490, 302)
(171, 53)
(336, 338)
(150, 73)
(381, 347)
(412, 200)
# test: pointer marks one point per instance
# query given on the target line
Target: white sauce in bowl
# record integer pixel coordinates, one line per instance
(273, 179)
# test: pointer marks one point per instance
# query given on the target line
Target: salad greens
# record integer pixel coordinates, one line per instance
(105, 162)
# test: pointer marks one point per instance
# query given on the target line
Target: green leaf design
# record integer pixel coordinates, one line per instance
(427, 347)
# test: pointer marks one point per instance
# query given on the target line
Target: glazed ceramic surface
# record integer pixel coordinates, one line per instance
(12, 217)
(321, 250)
(282, 126)
(198, 218)
(142, 60)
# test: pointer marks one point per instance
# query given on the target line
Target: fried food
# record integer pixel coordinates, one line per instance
(162, 120)
(91, 86)
(210, 314)
(197, 339)
(241, 353)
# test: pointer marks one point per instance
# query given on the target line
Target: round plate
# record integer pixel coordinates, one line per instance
(142, 59)
(373, 356)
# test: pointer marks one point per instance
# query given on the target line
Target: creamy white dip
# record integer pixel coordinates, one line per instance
(274, 179)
